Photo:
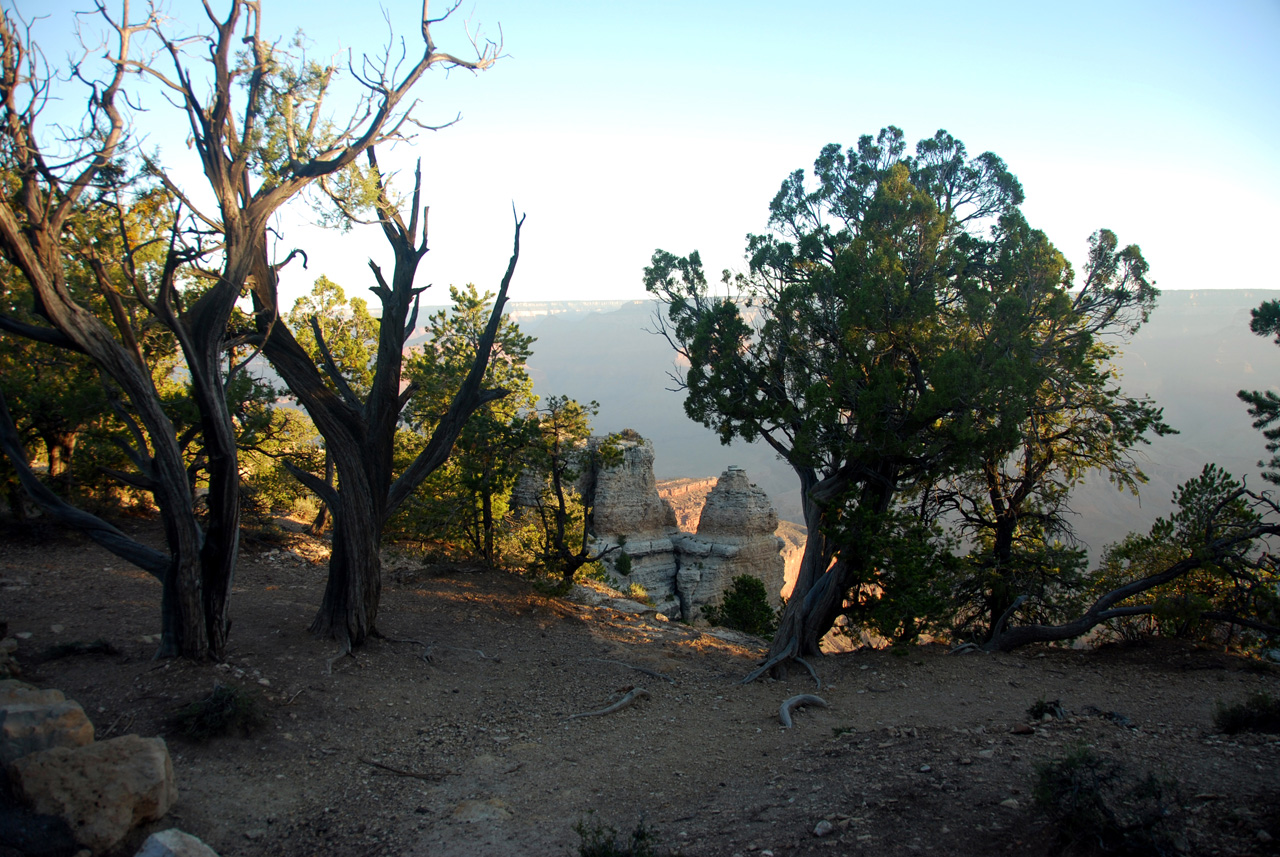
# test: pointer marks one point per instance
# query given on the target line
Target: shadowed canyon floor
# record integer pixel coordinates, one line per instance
(471, 750)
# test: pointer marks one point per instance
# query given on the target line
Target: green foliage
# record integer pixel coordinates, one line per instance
(1100, 806)
(913, 348)
(622, 563)
(268, 489)
(909, 579)
(1259, 713)
(599, 840)
(1227, 573)
(1264, 406)
(67, 412)
(228, 710)
(348, 329)
(745, 608)
(467, 502)
(561, 464)
(1040, 708)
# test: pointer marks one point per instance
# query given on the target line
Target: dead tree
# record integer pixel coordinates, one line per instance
(360, 433)
(262, 139)
(36, 223)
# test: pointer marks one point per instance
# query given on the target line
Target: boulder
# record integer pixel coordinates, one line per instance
(101, 790)
(30, 727)
(174, 843)
(736, 536)
(14, 691)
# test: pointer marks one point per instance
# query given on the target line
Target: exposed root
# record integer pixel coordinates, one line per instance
(346, 652)
(811, 670)
(964, 649)
(785, 654)
(784, 713)
(634, 694)
(645, 670)
(426, 647)
(400, 772)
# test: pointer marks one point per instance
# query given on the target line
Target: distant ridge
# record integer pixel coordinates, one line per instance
(1191, 357)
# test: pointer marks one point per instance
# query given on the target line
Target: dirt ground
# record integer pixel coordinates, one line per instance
(471, 750)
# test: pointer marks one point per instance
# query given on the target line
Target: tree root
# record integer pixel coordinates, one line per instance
(645, 670)
(426, 647)
(964, 649)
(811, 670)
(786, 653)
(634, 694)
(346, 652)
(784, 713)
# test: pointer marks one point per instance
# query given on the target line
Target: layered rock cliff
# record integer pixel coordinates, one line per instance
(630, 514)
(682, 559)
(685, 561)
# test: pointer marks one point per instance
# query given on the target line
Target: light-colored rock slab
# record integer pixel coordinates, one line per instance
(32, 727)
(101, 790)
(13, 691)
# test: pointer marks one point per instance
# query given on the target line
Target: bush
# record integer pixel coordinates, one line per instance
(1100, 806)
(745, 608)
(229, 710)
(599, 840)
(1258, 713)
(639, 593)
(622, 564)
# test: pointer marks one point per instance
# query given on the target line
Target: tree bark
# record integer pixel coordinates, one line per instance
(360, 436)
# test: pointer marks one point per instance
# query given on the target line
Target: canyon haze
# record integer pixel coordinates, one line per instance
(1191, 357)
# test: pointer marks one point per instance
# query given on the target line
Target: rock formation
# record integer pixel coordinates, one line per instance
(735, 536)
(630, 514)
(683, 568)
(683, 544)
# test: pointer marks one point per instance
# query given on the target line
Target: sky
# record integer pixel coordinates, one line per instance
(619, 128)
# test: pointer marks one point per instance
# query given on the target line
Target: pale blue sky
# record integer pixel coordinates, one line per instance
(619, 128)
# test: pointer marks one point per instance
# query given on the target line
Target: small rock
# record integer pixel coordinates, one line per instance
(57, 629)
(1011, 803)
(174, 843)
(1263, 836)
(823, 828)
(924, 769)
(265, 682)
(255, 834)
(23, 635)
(1023, 729)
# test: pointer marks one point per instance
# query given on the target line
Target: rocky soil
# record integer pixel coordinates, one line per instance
(454, 734)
